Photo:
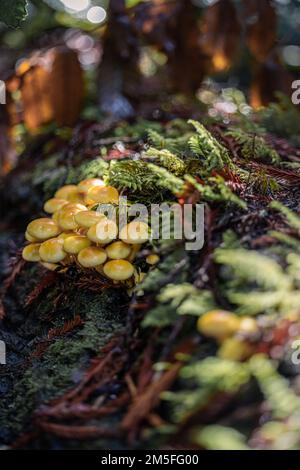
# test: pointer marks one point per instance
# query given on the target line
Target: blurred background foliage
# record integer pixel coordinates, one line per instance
(235, 42)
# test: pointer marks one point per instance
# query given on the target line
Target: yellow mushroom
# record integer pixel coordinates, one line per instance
(66, 216)
(118, 250)
(53, 205)
(92, 256)
(65, 235)
(152, 259)
(66, 191)
(235, 349)
(77, 198)
(29, 238)
(74, 244)
(88, 218)
(43, 228)
(135, 232)
(218, 324)
(52, 251)
(104, 194)
(103, 232)
(118, 270)
(55, 216)
(88, 183)
(31, 252)
(134, 251)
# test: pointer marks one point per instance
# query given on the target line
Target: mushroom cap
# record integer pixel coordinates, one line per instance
(235, 349)
(103, 232)
(65, 235)
(104, 194)
(88, 218)
(65, 191)
(55, 216)
(218, 324)
(118, 250)
(31, 252)
(53, 205)
(152, 259)
(88, 183)
(75, 243)
(76, 197)
(135, 232)
(29, 238)
(52, 251)
(43, 228)
(92, 256)
(118, 270)
(66, 216)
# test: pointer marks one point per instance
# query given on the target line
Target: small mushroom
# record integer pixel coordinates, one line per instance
(135, 232)
(31, 252)
(235, 349)
(88, 218)
(29, 238)
(53, 205)
(88, 183)
(66, 216)
(75, 243)
(52, 251)
(218, 324)
(118, 270)
(118, 250)
(77, 198)
(103, 232)
(104, 194)
(66, 191)
(134, 251)
(65, 235)
(152, 259)
(92, 256)
(43, 228)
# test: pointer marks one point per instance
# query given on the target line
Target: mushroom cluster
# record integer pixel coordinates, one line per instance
(233, 333)
(75, 232)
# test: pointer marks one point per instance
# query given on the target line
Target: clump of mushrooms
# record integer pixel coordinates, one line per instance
(76, 233)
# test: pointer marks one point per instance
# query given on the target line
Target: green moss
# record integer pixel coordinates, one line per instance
(65, 359)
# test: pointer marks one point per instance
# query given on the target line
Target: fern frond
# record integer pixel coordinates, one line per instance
(165, 179)
(134, 175)
(186, 299)
(203, 144)
(168, 160)
(254, 146)
(250, 266)
(281, 398)
(216, 191)
(285, 239)
(255, 302)
(175, 145)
